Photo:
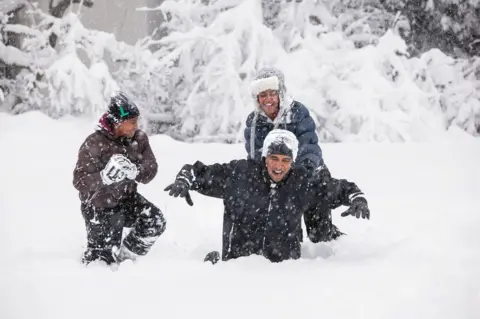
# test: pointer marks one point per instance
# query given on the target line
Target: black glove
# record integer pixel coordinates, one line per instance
(213, 257)
(180, 188)
(358, 207)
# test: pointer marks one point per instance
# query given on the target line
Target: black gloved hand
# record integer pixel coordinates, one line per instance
(358, 207)
(213, 257)
(180, 188)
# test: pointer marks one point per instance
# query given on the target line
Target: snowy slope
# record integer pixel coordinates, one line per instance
(418, 256)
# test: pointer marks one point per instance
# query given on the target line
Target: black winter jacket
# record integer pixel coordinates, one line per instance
(263, 217)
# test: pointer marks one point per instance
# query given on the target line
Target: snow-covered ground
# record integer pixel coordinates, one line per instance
(418, 256)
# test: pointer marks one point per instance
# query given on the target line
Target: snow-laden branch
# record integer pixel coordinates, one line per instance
(22, 29)
(7, 6)
(196, 85)
(12, 55)
(213, 63)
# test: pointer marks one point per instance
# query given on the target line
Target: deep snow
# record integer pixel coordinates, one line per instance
(418, 256)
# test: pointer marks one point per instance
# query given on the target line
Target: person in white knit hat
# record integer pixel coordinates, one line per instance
(264, 201)
(275, 108)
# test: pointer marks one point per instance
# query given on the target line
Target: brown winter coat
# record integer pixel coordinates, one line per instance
(94, 155)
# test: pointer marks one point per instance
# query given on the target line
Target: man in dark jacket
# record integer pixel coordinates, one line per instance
(111, 161)
(264, 201)
(274, 108)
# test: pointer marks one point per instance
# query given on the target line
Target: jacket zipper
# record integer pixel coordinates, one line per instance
(230, 235)
(272, 193)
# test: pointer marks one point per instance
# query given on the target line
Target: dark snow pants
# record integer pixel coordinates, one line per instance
(318, 222)
(104, 228)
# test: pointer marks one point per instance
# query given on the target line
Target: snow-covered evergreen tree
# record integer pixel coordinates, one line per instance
(214, 48)
(345, 59)
(79, 74)
(449, 25)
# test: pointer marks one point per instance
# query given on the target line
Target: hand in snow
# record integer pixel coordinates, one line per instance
(358, 207)
(180, 188)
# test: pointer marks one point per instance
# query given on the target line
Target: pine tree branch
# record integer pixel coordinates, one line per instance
(59, 10)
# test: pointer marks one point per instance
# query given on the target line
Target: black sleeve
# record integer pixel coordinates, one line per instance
(209, 180)
(335, 192)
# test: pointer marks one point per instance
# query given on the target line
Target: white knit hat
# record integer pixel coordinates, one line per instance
(278, 139)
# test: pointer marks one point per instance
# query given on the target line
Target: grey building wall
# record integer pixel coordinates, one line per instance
(119, 17)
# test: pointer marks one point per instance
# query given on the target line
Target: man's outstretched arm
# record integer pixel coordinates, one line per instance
(338, 192)
(209, 180)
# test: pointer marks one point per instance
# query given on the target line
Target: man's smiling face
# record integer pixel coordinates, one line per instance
(278, 166)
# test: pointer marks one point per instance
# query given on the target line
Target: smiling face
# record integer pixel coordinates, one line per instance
(127, 128)
(278, 166)
(269, 102)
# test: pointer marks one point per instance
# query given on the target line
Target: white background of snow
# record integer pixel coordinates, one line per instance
(418, 256)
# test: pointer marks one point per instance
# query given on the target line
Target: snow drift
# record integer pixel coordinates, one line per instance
(417, 257)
